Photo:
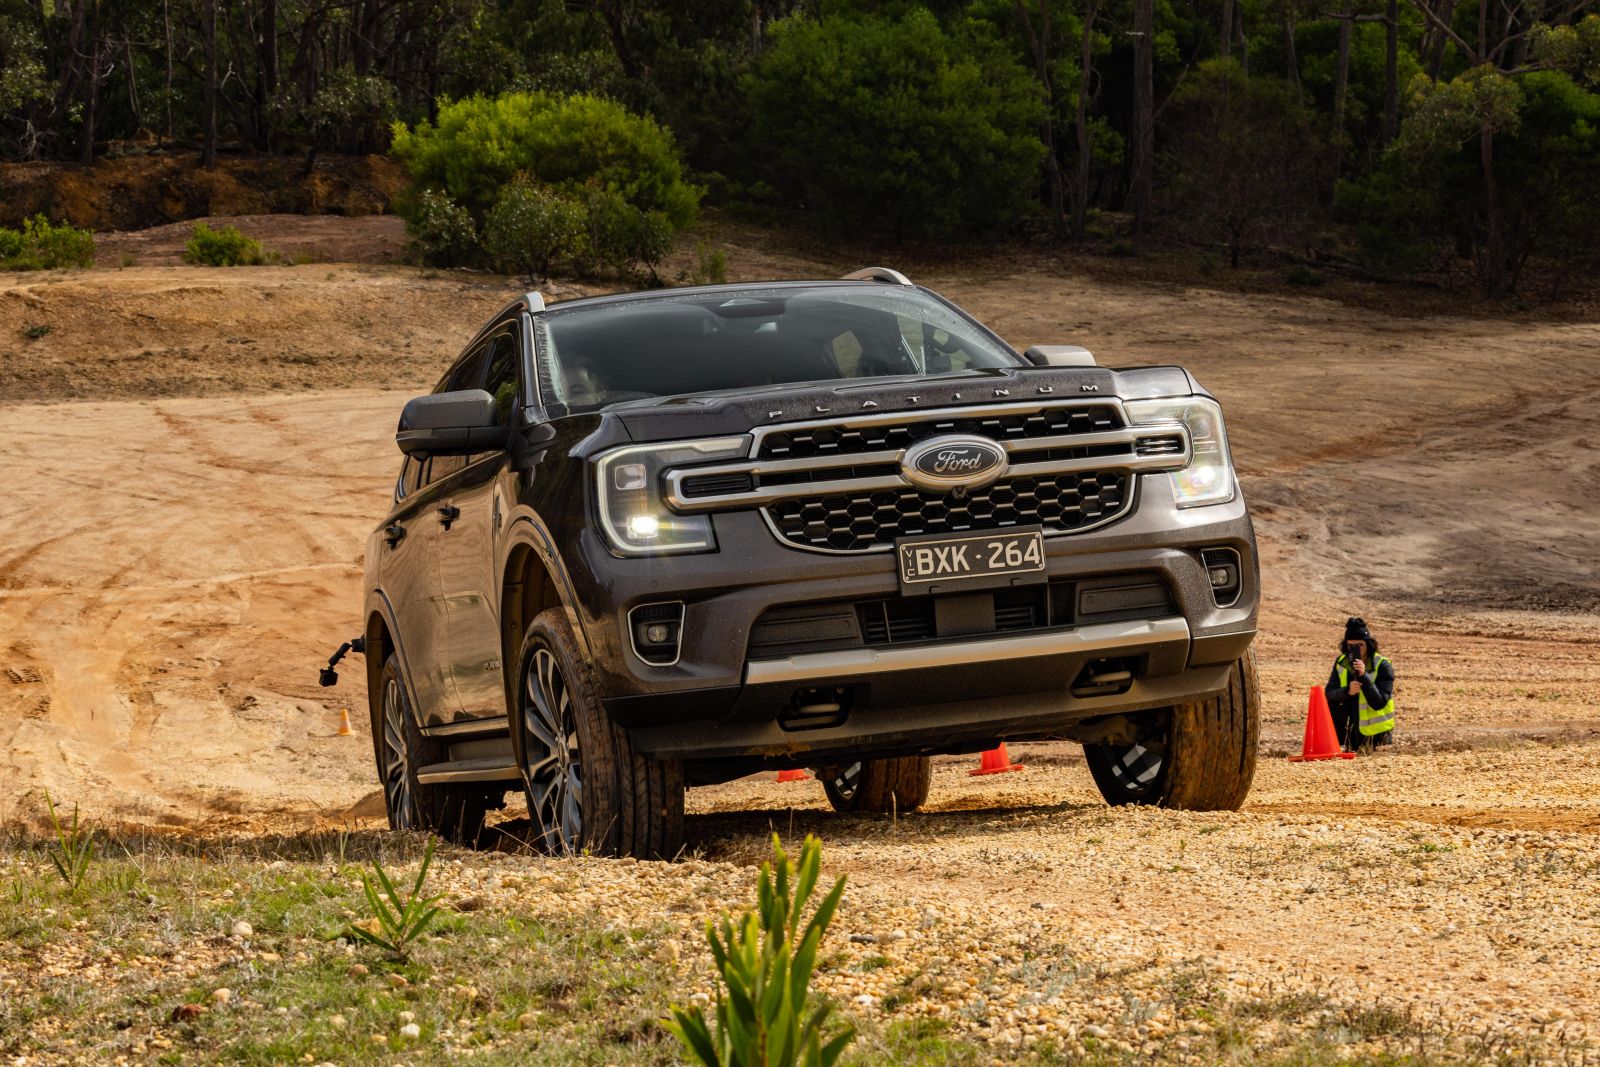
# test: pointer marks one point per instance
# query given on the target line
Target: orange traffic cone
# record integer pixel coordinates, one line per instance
(1321, 742)
(344, 723)
(792, 776)
(995, 761)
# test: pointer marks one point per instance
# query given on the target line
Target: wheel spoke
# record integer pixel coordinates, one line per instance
(552, 758)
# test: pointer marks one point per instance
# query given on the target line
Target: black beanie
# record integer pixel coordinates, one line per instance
(1355, 629)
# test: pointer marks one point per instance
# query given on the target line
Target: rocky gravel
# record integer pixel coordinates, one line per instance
(1021, 910)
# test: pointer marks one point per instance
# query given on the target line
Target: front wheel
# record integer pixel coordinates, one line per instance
(588, 791)
(454, 811)
(878, 785)
(1198, 756)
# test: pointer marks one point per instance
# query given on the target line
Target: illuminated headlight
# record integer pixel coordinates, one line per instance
(1208, 479)
(633, 516)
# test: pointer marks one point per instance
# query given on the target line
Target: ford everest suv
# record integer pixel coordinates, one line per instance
(654, 540)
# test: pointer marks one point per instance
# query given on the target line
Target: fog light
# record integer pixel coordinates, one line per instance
(630, 476)
(1223, 569)
(656, 631)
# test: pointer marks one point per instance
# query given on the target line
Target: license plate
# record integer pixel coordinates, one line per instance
(951, 561)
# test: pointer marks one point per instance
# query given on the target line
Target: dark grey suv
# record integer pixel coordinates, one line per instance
(662, 539)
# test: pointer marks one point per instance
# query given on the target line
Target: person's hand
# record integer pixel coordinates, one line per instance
(1358, 668)
(1355, 687)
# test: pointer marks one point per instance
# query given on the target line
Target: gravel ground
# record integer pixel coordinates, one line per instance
(1020, 909)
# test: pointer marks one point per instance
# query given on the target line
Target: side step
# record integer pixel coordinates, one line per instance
(482, 769)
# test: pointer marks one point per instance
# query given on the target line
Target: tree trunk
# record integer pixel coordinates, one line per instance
(1226, 42)
(208, 18)
(266, 72)
(1290, 63)
(1142, 183)
(1434, 59)
(1391, 72)
(1080, 195)
(1039, 45)
(91, 85)
(1341, 85)
(1244, 45)
(1493, 267)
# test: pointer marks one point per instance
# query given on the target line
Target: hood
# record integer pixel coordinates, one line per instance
(740, 411)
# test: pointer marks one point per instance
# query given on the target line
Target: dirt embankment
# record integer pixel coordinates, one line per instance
(133, 191)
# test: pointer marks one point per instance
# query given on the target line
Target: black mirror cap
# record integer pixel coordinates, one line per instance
(450, 424)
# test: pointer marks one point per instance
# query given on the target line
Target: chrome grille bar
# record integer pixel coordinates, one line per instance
(760, 496)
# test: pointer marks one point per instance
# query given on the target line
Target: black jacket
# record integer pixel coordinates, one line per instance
(1376, 687)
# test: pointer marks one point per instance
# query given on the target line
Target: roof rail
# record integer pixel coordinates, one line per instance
(877, 274)
(535, 301)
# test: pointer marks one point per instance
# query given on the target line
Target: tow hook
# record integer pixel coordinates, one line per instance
(328, 676)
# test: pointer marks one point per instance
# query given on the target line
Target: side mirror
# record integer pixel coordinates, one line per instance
(1059, 356)
(450, 424)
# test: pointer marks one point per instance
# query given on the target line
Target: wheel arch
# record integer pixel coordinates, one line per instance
(532, 581)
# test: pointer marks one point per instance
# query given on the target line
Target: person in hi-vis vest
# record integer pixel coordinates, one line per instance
(1361, 690)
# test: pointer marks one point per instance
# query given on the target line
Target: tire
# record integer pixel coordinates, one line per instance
(1201, 756)
(588, 791)
(879, 785)
(454, 812)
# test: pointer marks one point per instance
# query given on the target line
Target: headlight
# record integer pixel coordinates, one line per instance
(1208, 479)
(628, 486)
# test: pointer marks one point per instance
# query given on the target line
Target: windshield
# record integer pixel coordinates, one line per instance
(750, 339)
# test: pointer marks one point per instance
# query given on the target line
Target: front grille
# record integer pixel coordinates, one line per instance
(844, 440)
(855, 522)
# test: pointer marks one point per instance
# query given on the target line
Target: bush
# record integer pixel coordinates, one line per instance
(618, 235)
(226, 247)
(897, 124)
(531, 227)
(442, 231)
(43, 245)
(479, 144)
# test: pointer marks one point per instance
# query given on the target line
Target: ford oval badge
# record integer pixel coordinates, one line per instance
(943, 464)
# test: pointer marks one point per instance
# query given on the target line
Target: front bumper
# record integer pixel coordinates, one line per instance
(718, 700)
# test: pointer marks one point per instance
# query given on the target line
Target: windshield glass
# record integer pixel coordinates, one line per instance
(668, 345)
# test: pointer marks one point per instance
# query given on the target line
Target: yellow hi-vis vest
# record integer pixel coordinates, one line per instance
(1374, 721)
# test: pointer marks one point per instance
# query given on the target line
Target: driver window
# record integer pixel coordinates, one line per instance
(501, 382)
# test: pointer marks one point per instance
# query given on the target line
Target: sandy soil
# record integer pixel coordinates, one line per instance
(196, 456)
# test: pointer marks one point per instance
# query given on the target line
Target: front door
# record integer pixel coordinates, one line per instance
(470, 551)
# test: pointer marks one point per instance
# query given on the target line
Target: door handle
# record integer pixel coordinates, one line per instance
(448, 514)
(394, 533)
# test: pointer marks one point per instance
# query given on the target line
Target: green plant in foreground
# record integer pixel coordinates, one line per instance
(74, 848)
(400, 920)
(764, 1018)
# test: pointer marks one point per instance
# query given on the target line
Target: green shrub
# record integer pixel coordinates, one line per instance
(618, 234)
(532, 227)
(442, 231)
(400, 919)
(765, 1014)
(74, 848)
(711, 264)
(1300, 274)
(478, 145)
(43, 245)
(898, 124)
(226, 247)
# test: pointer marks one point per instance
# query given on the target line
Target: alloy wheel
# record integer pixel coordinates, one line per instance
(551, 763)
(1136, 769)
(396, 760)
(847, 781)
